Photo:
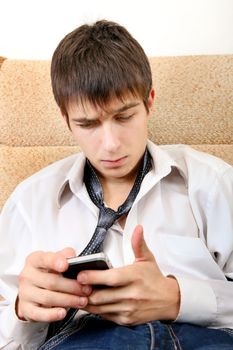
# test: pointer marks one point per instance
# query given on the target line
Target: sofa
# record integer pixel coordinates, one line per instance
(194, 105)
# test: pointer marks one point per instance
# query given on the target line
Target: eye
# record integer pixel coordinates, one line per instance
(124, 117)
(86, 124)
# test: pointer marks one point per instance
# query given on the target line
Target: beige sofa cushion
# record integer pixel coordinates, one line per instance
(17, 163)
(194, 105)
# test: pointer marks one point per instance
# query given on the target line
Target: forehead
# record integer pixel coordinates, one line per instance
(85, 108)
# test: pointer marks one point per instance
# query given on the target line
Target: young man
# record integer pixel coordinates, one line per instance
(163, 215)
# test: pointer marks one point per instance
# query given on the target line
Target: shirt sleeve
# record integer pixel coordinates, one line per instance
(209, 302)
(17, 334)
(14, 234)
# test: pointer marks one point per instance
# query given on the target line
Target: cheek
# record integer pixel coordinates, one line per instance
(89, 143)
(140, 130)
(81, 136)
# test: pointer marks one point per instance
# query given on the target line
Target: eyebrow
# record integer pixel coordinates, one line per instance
(116, 111)
(125, 107)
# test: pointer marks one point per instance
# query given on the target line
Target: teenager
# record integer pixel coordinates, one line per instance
(162, 214)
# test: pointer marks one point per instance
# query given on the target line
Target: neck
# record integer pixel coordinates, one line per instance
(116, 190)
(115, 193)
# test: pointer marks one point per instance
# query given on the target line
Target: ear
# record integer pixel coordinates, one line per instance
(151, 100)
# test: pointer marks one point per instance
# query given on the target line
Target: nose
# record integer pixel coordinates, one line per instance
(110, 140)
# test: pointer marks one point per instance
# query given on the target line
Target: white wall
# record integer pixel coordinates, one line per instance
(33, 28)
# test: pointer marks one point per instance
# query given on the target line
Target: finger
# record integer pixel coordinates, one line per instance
(103, 309)
(123, 319)
(114, 277)
(56, 282)
(43, 314)
(118, 319)
(48, 261)
(120, 308)
(94, 277)
(49, 299)
(111, 295)
(139, 246)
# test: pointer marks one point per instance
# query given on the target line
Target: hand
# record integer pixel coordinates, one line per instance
(139, 292)
(44, 294)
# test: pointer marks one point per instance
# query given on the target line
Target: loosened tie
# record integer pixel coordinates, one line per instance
(108, 216)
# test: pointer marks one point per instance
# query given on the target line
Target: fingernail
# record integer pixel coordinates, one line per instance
(86, 289)
(61, 314)
(81, 301)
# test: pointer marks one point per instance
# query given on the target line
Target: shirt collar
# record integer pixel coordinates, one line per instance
(163, 163)
(74, 179)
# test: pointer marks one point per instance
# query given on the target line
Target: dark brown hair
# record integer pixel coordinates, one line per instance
(98, 62)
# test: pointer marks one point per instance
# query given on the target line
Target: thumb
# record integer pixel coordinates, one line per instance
(139, 246)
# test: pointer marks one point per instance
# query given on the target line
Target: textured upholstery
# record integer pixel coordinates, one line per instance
(194, 105)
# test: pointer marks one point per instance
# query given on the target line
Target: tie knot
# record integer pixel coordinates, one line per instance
(109, 211)
(107, 216)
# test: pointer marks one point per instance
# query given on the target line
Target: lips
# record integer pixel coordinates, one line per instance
(113, 163)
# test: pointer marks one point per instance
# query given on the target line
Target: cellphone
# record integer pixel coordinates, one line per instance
(98, 261)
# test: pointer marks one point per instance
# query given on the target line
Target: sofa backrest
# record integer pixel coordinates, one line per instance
(194, 105)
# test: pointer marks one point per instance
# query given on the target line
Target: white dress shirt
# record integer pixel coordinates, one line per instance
(185, 205)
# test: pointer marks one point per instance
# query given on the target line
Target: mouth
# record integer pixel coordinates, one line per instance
(114, 163)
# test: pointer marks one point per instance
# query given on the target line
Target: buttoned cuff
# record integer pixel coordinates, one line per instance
(198, 304)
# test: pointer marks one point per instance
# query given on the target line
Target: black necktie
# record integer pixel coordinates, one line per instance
(107, 217)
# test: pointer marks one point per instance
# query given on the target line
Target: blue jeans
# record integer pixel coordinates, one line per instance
(93, 333)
